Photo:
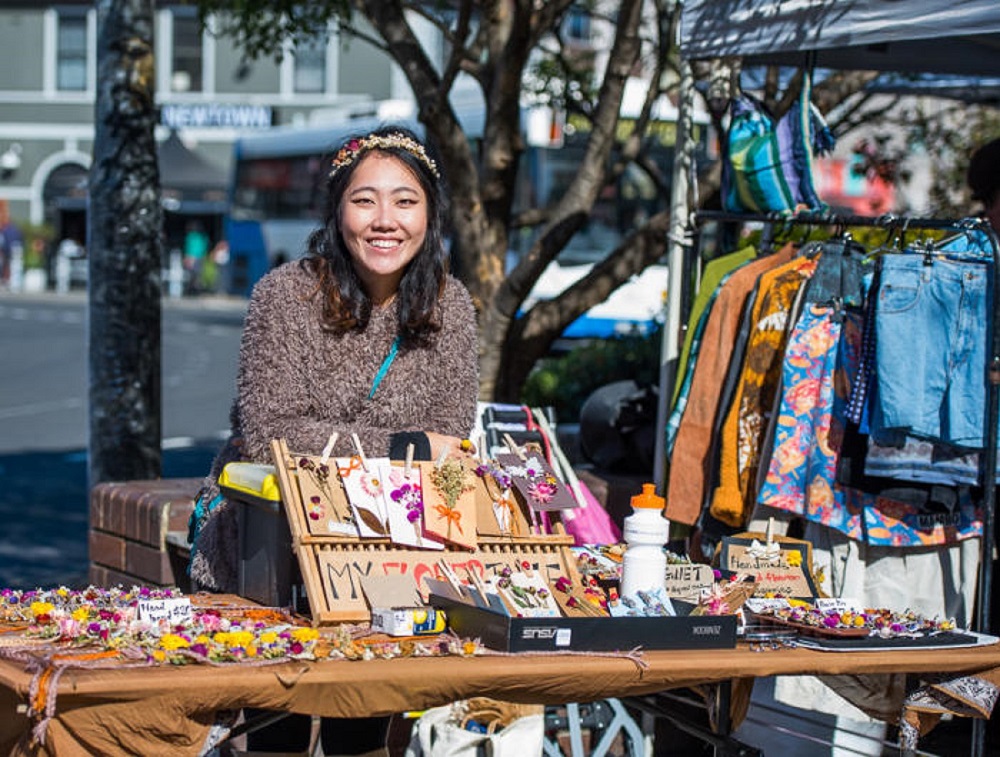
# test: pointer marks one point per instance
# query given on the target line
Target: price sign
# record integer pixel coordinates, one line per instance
(174, 611)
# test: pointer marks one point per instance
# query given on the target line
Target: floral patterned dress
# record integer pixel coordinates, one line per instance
(821, 360)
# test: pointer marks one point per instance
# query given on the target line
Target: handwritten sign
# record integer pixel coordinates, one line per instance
(341, 571)
(785, 573)
(173, 611)
(686, 581)
(838, 604)
(765, 604)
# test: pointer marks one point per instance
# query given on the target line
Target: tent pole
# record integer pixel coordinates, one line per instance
(677, 244)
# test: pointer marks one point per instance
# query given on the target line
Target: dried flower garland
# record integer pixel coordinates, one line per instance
(879, 622)
(358, 147)
(107, 619)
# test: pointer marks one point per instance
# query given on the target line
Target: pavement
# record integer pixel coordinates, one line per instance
(44, 508)
(44, 498)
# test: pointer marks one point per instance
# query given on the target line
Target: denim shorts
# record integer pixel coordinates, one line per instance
(930, 341)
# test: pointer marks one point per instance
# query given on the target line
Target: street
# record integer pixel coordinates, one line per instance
(44, 420)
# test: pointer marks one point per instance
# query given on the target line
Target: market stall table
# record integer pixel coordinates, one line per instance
(170, 709)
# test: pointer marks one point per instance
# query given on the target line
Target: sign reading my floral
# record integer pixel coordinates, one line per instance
(342, 570)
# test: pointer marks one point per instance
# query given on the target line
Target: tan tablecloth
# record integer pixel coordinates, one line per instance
(169, 710)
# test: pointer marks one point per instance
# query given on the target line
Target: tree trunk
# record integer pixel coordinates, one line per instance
(528, 339)
(124, 245)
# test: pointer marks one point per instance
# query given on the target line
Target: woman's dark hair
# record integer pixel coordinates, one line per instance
(346, 306)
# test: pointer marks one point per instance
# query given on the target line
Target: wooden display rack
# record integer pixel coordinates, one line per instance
(332, 565)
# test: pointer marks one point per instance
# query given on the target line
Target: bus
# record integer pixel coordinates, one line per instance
(277, 196)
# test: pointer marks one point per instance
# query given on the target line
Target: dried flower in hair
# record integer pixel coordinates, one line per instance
(354, 149)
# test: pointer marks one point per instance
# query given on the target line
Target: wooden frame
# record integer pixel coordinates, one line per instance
(332, 565)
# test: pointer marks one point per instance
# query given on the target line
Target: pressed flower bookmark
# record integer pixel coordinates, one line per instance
(449, 501)
(404, 501)
(535, 482)
(498, 512)
(327, 512)
(365, 489)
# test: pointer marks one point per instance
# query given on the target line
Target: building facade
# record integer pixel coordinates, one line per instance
(206, 95)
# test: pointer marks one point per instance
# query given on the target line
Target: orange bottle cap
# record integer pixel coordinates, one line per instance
(649, 498)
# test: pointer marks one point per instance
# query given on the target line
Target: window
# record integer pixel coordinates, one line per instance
(310, 65)
(577, 26)
(71, 50)
(186, 69)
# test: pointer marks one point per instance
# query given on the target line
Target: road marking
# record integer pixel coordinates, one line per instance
(183, 442)
(32, 408)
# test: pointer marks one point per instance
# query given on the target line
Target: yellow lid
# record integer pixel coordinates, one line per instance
(648, 498)
(252, 478)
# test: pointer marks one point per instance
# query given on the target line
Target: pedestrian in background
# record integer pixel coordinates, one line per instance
(11, 243)
(196, 246)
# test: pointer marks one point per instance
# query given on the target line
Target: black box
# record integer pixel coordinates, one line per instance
(508, 634)
(268, 571)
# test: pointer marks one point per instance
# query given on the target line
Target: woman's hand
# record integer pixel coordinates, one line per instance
(455, 446)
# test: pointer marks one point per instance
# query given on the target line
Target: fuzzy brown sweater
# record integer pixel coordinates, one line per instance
(301, 383)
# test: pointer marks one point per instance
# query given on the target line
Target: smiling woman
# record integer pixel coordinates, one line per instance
(383, 219)
(367, 337)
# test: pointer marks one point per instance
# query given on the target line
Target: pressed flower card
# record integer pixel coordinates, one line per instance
(404, 503)
(524, 595)
(366, 493)
(497, 510)
(535, 482)
(449, 501)
(324, 503)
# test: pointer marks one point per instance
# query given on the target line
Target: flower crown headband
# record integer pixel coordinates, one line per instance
(350, 152)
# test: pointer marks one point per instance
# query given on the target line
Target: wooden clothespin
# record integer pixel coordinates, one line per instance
(449, 576)
(443, 456)
(476, 582)
(408, 465)
(328, 449)
(513, 447)
(360, 451)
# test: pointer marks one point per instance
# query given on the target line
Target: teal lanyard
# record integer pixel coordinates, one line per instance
(384, 368)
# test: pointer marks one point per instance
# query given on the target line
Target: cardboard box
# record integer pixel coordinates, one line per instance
(409, 621)
(508, 634)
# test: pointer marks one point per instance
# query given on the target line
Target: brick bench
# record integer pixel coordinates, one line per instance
(138, 532)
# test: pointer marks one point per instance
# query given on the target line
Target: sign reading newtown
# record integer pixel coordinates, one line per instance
(216, 115)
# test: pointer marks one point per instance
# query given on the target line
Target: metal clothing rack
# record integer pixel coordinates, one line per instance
(988, 459)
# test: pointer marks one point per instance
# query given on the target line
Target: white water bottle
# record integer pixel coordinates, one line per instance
(646, 532)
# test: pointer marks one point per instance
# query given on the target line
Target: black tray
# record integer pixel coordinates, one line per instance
(507, 634)
(942, 639)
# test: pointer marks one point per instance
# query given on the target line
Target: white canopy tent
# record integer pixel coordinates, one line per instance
(908, 36)
(942, 36)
